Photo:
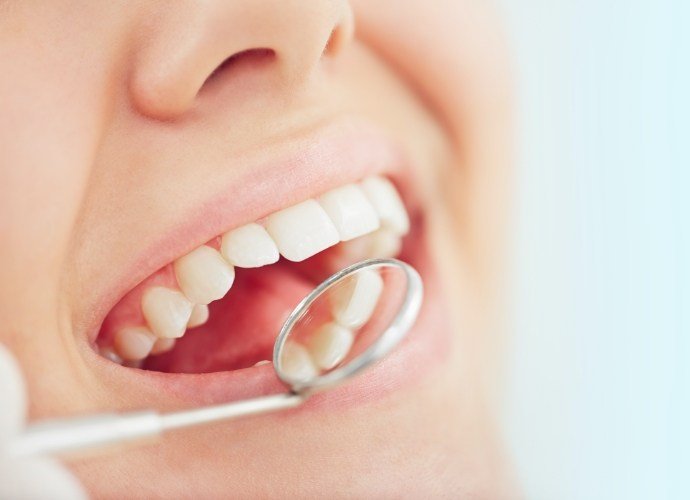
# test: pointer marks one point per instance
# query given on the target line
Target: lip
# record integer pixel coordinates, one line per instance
(339, 153)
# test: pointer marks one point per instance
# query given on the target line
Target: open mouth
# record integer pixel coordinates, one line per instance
(219, 307)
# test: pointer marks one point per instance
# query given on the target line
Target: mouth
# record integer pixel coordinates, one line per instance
(204, 322)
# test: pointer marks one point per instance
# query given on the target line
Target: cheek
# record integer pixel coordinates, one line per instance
(53, 108)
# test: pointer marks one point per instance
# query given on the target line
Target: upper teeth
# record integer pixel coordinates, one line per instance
(372, 207)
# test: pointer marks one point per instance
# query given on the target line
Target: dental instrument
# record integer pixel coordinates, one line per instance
(349, 322)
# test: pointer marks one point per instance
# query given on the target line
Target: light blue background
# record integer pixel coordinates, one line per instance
(598, 404)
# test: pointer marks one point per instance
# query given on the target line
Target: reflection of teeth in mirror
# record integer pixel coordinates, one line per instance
(297, 364)
(354, 302)
(330, 344)
(162, 345)
(199, 316)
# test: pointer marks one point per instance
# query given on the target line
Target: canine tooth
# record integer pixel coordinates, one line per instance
(387, 203)
(297, 363)
(330, 344)
(302, 230)
(166, 311)
(354, 302)
(351, 212)
(203, 275)
(133, 343)
(162, 345)
(249, 246)
(199, 316)
(385, 243)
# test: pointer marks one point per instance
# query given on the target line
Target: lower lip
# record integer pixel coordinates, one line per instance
(424, 348)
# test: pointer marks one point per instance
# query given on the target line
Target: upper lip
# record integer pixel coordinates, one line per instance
(303, 167)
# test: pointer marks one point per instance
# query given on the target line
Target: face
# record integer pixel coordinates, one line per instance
(158, 156)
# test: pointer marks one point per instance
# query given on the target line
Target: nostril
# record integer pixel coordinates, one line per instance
(245, 59)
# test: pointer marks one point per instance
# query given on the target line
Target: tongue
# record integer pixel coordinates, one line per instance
(242, 326)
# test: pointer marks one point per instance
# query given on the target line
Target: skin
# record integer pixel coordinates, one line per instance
(95, 99)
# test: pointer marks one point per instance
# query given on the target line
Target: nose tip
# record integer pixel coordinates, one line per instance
(190, 41)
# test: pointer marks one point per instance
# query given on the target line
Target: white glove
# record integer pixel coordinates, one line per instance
(34, 477)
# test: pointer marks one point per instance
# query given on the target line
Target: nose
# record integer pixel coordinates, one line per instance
(181, 44)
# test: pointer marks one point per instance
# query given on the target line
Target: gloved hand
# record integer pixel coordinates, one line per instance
(33, 477)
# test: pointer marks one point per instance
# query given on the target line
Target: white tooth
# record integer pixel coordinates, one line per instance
(330, 344)
(108, 353)
(354, 302)
(166, 311)
(302, 230)
(297, 363)
(249, 246)
(262, 362)
(199, 316)
(351, 212)
(385, 243)
(387, 203)
(133, 343)
(162, 345)
(203, 275)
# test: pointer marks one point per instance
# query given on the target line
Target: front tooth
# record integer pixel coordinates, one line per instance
(354, 302)
(249, 246)
(387, 203)
(351, 212)
(330, 344)
(199, 316)
(203, 275)
(166, 311)
(133, 343)
(296, 363)
(302, 230)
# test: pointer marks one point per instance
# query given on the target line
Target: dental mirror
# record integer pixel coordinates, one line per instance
(343, 327)
(348, 323)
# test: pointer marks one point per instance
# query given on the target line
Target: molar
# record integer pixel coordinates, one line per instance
(351, 212)
(166, 311)
(203, 275)
(249, 246)
(302, 230)
(387, 203)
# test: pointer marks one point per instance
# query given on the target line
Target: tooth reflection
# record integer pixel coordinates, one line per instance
(354, 301)
(330, 344)
(297, 363)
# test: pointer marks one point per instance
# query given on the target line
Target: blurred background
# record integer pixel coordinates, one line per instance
(599, 378)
